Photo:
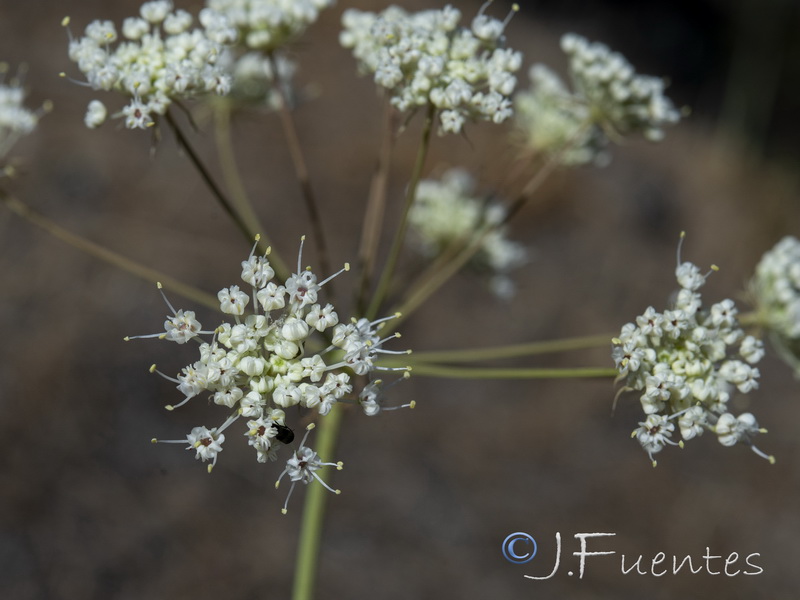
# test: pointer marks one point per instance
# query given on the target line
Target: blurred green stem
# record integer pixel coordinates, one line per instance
(411, 192)
(301, 170)
(233, 181)
(108, 256)
(183, 142)
(430, 370)
(514, 350)
(449, 263)
(376, 205)
(314, 510)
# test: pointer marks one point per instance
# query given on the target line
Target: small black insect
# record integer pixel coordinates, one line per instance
(285, 435)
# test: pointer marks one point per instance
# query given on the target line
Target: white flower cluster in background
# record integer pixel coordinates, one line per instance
(267, 24)
(426, 59)
(619, 100)
(447, 212)
(552, 121)
(16, 121)
(158, 58)
(686, 362)
(776, 289)
(282, 348)
(254, 79)
(609, 100)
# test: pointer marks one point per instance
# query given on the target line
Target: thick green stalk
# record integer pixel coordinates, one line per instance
(305, 574)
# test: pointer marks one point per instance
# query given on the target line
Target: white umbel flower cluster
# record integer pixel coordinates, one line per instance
(256, 81)
(268, 24)
(16, 121)
(158, 58)
(686, 362)
(609, 100)
(619, 99)
(448, 212)
(426, 59)
(260, 363)
(552, 121)
(776, 289)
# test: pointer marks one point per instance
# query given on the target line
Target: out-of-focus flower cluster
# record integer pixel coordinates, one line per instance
(268, 24)
(287, 350)
(609, 100)
(686, 362)
(426, 59)
(255, 79)
(16, 121)
(551, 121)
(776, 290)
(158, 58)
(447, 212)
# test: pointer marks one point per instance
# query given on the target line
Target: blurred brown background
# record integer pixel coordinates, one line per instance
(91, 510)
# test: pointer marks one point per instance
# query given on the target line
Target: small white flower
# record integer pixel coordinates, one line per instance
(257, 271)
(177, 22)
(232, 300)
(302, 466)
(207, 444)
(287, 396)
(252, 405)
(654, 433)
(322, 318)
(260, 435)
(155, 11)
(294, 329)
(272, 297)
(182, 327)
(689, 276)
(751, 349)
(229, 397)
(137, 115)
(95, 114)
(691, 422)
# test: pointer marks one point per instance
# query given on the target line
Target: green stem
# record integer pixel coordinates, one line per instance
(750, 318)
(301, 171)
(442, 270)
(314, 510)
(514, 350)
(183, 142)
(510, 373)
(376, 204)
(411, 193)
(108, 256)
(233, 181)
